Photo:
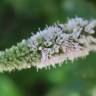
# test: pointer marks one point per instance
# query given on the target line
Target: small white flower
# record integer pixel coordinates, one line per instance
(90, 27)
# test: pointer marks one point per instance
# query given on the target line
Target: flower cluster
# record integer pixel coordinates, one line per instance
(51, 46)
(64, 41)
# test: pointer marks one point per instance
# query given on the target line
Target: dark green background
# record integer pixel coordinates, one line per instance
(18, 19)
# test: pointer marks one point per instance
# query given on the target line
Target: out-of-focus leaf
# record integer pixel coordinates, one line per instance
(8, 88)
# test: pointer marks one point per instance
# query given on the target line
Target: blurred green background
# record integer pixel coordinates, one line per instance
(18, 19)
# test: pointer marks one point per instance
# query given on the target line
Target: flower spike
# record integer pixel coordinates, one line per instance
(55, 44)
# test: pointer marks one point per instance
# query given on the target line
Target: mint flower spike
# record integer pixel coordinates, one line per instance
(53, 45)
